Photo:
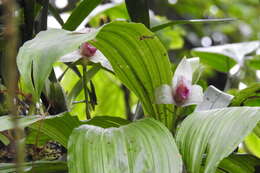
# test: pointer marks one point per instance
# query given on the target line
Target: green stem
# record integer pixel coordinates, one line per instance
(85, 79)
(11, 37)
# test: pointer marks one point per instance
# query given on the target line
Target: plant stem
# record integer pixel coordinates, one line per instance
(10, 34)
(84, 80)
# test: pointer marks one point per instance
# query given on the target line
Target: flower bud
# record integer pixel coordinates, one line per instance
(181, 92)
(87, 50)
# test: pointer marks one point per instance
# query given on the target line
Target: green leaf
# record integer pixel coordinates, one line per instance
(37, 166)
(257, 130)
(254, 62)
(244, 94)
(35, 137)
(239, 163)
(215, 133)
(140, 147)
(224, 57)
(48, 47)
(110, 11)
(128, 46)
(191, 21)
(78, 86)
(252, 144)
(6, 122)
(4, 139)
(130, 49)
(138, 11)
(59, 127)
(217, 61)
(80, 13)
(56, 14)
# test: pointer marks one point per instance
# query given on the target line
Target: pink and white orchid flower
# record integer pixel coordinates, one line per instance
(181, 92)
(88, 52)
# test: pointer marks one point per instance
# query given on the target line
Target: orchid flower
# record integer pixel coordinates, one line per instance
(87, 52)
(181, 92)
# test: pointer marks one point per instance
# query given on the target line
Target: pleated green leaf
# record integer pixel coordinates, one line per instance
(140, 61)
(240, 163)
(37, 166)
(59, 127)
(137, 56)
(215, 133)
(140, 147)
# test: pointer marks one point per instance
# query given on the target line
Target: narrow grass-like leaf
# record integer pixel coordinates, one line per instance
(215, 133)
(138, 11)
(80, 13)
(191, 21)
(244, 94)
(140, 147)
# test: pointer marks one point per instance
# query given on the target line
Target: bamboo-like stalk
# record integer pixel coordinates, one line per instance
(10, 34)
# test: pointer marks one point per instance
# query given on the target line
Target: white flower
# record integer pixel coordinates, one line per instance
(181, 92)
(88, 52)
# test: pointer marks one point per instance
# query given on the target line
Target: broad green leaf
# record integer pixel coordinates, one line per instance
(140, 147)
(215, 133)
(191, 21)
(36, 137)
(110, 96)
(6, 122)
(239, 163)
(224, 57)
(37, 166)
(130, 48)
(252, 144)
(48, 47)
(59, 127)
(80, 13)
(138, 11)
(214, 98)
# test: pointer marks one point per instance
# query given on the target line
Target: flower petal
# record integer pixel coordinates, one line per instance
(194, 62)
(195, 97)
(163, 95)
(183, 70)
(100, 58)
(71, 57)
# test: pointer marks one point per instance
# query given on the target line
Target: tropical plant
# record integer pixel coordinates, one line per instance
(111, 98)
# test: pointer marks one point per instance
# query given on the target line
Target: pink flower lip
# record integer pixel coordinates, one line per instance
(87, 50)
(182, 92)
